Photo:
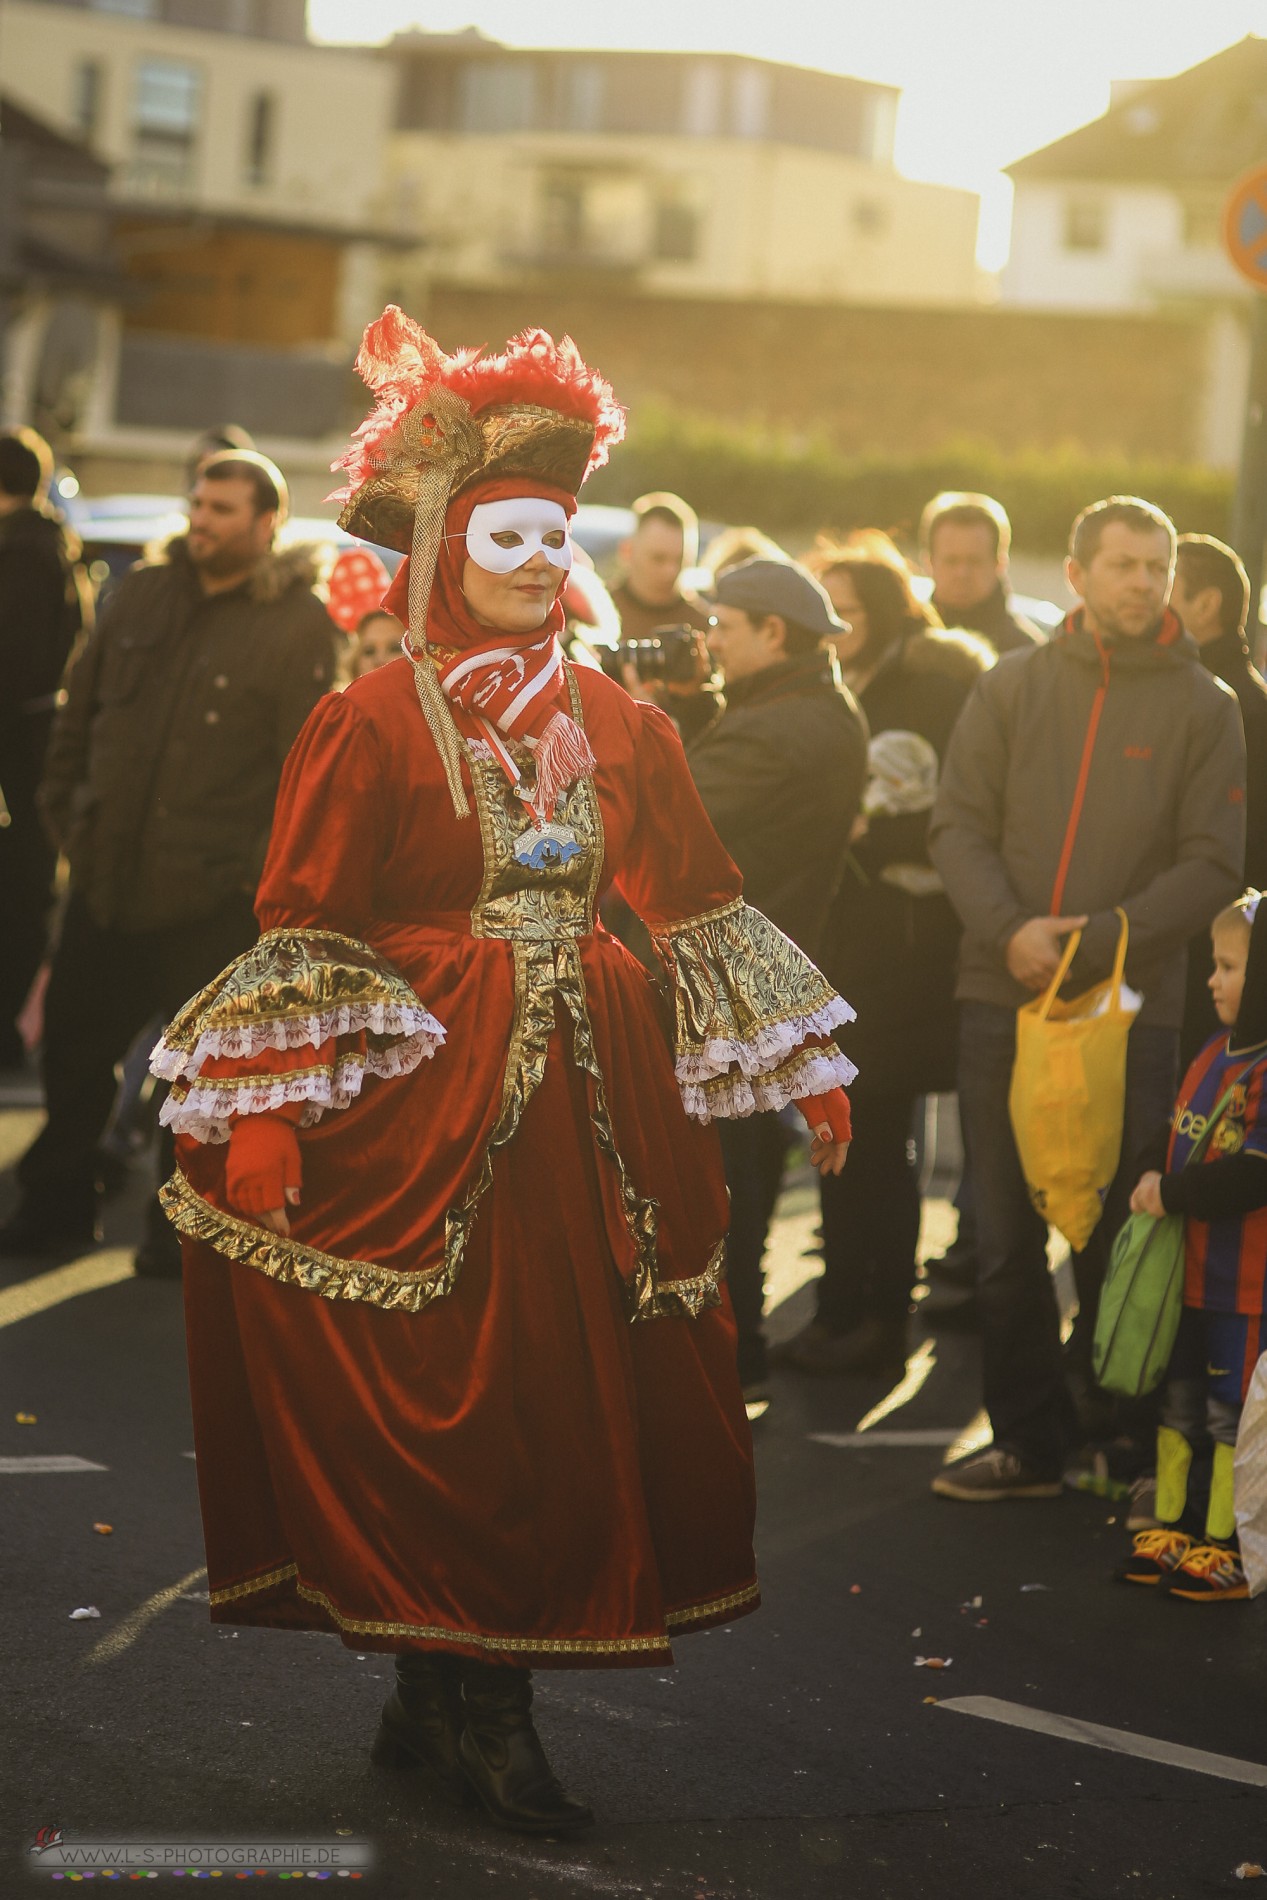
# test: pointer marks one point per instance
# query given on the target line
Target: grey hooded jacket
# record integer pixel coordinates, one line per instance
(1082, 776)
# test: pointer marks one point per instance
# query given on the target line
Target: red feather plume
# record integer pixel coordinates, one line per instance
(402, 364)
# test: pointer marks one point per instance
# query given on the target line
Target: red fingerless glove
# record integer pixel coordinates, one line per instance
(832, 1108)
(263, 1162)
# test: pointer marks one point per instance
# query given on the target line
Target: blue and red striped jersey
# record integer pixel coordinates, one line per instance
(1225, 1260)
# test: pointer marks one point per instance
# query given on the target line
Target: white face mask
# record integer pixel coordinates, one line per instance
(503, 535)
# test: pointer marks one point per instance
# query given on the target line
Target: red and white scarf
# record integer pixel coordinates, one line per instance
(502, 687)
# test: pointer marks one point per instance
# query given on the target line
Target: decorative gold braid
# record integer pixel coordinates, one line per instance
(291, 1263)
(289, 972)
(734, 975)
(478, 1639)
(435, 710)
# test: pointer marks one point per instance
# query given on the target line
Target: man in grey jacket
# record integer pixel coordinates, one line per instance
(1105, 769)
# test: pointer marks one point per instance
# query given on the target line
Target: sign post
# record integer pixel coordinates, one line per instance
(1245, 240)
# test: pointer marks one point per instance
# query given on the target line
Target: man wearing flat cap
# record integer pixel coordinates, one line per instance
(781, 773)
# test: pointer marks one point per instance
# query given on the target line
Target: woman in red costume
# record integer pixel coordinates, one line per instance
(463, 1374)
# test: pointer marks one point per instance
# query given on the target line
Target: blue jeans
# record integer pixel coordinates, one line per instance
(1031, 1410)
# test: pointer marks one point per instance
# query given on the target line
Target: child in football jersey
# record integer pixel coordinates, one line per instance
(1223, 1199)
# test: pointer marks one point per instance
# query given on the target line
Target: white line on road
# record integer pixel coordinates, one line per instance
(863, 1441)
(131, 1627)
(1119, 1741)
(51, 1461)
(43, 1290)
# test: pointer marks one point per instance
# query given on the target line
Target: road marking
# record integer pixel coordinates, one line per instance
(1118, 1741)
(52, 1461)
(132, 1626)
(918, 1367)
(43, 1290)
(862, 1441)
(18, 1129)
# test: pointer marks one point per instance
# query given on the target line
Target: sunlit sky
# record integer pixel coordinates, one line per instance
(983, 81)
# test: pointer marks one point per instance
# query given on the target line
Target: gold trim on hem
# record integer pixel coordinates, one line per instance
(677, 1619)
(478, 1639)
(232, 1591)
(294, 1264)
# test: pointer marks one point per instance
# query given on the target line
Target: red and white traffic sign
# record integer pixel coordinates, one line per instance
(1245, 226)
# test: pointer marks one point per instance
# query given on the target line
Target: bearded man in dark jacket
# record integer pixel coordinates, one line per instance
(159, 786)
(40, 614)
(781, 773)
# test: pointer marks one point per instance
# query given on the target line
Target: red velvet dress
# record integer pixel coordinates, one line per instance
(484, 1397)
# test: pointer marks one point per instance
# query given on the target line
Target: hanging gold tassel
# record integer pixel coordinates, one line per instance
(435, 710)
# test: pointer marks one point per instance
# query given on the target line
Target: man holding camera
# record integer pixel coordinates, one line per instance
(781, 774)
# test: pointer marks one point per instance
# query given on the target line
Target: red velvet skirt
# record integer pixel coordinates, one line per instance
(516, 1473)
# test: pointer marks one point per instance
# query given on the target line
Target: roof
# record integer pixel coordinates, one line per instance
(51, 152)
(1204, 126)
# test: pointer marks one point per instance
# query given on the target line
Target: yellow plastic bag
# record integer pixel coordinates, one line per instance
(1068, 1095)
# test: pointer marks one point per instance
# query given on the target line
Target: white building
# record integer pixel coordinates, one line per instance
(679, 175)
(1125, 215)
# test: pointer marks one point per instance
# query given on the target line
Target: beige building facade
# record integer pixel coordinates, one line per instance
(683, 175)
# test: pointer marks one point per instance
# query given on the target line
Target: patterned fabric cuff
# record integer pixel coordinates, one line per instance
(747, 1006)
(341, 1010)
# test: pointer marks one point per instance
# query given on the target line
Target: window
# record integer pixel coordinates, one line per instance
(701, 102)
(165, 124)
(260, 136)
(498, 95)
(85, 98)
(675, 232)
(563, 217)
(135, 9)
(869, 217)
(750, 102)
(582, 97)
(1085, 224)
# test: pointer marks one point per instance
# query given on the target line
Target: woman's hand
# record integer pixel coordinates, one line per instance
(263, 1173)
(829, 1122)
(1147, 1196)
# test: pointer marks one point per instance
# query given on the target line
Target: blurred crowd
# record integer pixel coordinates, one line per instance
(934, 796)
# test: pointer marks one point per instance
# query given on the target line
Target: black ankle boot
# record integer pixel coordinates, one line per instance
(503, 1757)
(422, 1720)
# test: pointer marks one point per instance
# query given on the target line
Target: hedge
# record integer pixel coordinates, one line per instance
(744, 474)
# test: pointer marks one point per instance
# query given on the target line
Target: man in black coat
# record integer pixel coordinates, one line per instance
(781, 773)
(964, 541)
(39, 618)
(159, 786)
(1211, 597)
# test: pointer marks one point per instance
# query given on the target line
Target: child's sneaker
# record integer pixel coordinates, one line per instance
(1155, 1556)
(1210, 1573)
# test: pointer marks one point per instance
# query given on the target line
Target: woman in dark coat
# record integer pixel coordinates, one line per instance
(890, 945)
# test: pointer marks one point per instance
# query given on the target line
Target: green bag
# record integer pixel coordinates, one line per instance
(1142, 1296)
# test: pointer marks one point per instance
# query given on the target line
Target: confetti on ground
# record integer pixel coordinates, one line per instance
(25, 1418)
(1027, 1589)
(78, 1616)
(104, 1530)
(933, 1662)
(973, 1603)
(855, 1589)
(917, 1632)
(930, 1701)
(1249, 1870)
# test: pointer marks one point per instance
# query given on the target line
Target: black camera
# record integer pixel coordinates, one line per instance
(667, 656)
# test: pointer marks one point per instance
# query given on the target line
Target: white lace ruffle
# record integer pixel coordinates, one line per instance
(764, 1052)
(738, 1095)
(296, 1032)
(209, 1108)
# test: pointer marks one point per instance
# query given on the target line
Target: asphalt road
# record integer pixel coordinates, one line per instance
(802, 1752)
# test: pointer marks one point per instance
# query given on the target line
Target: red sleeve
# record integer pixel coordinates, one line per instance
(328, 826)
(675, 866)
